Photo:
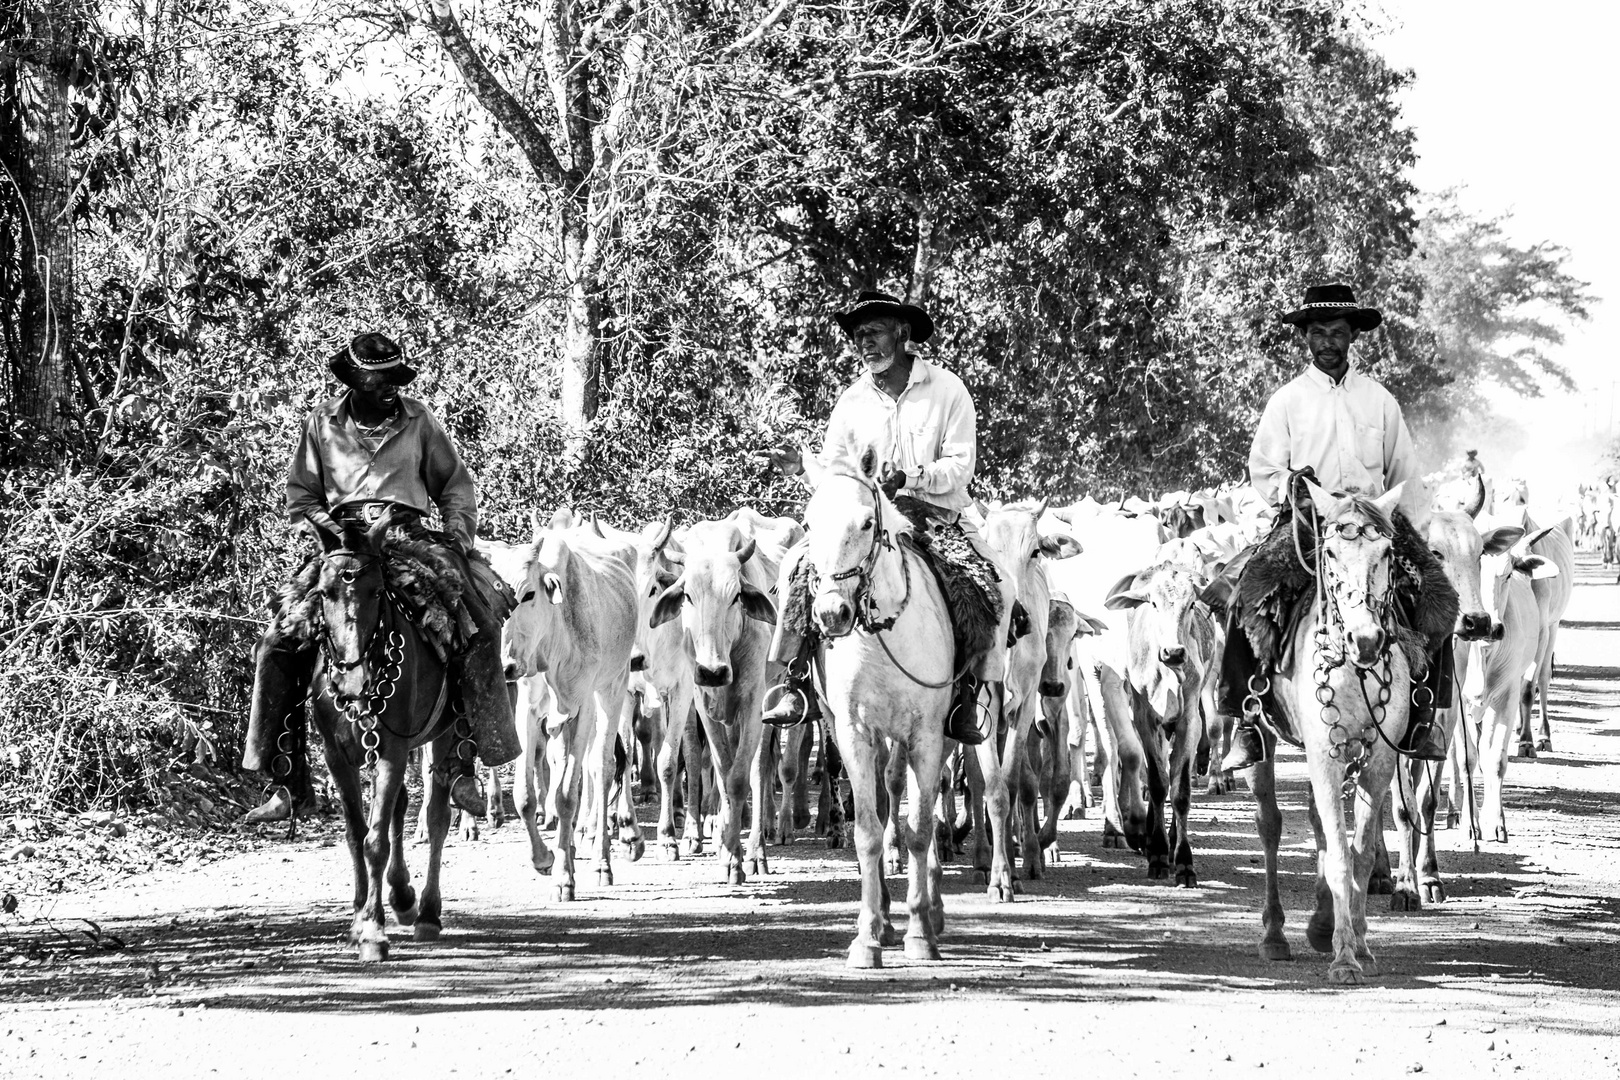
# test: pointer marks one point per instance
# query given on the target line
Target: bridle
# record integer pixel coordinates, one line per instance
(367, 711)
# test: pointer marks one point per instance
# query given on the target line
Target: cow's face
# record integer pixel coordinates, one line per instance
(711, 598)
(1459, 542)
(540, 600)
(658, 555)
(1062, 623)
(1163, 605)
(844, 519)
(1015, 535)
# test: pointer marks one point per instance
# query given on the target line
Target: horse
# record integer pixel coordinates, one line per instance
(1347, 698)
(378, 692)
(885, 668)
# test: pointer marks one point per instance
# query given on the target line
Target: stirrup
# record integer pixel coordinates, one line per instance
(468, 795)
(783, 714)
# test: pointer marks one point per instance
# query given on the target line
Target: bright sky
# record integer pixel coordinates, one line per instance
(1514, 102)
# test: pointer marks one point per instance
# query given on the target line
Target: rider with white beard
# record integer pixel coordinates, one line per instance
(920, 420)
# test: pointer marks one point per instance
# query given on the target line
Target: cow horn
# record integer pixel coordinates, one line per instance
(1478, 504)
(661, 537)
(596, 526)
(746, 552)
(1041, 509)
(534, 521)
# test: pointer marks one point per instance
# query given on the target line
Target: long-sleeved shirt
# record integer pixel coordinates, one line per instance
(1351, 432)
(929, 432)
(410, 461)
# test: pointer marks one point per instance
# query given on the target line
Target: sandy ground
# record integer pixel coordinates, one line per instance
(239, 968)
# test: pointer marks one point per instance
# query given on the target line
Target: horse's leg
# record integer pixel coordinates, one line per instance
(923, 902)
(576, 738)
(1338, 873)
(424, 758)
(1268, 822)
(799, 746)
(894, 840)
(401, 897)
(1382, 880)
(766, 764)
(976, 777)
(530, 781)
(497, 800)
(629, 828)
(887, 810)
(861, 754)
(830, 807)
(436, 798)
(1372, 789)
(390, 780)
(1404, 896)
(347, 778)
(786, 774)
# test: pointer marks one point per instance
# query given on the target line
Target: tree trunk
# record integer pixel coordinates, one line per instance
(581, 366)
(45, 180)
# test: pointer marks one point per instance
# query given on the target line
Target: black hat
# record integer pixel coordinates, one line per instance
(371, 352)
(1324, 303)
(876, 303)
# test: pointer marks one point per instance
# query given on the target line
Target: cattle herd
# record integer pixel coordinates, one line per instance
(641, 660)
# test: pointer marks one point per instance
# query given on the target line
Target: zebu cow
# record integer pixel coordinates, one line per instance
(1506, 662)
(1459, 541)
(725, 617)
(995, 768)
(1553, 594)
(574, 622)
(1058, 752)
(1171, 674)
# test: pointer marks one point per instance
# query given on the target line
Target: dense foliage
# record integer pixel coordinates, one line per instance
(1105, 204)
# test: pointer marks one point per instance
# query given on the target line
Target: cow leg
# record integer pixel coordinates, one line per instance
(894, 783)
(1428, 873)
(800, 744)
(761, 780)
(424, 760)
(629, 828)
(787, 774)
(1059, 775)
(697, 784)
(669, 761)
(866, 951)
(436, 798)
(1382, 880)
(648, 743)
(998, 809)
(386, 789)
(767, 763)
(1079, 798)
(924, 905)
(1268, 823)
(603, 761)
(529, 781)
(401, 897)
(1026, 801)
(1181, 804)
(570, 786)
(1527, 739)
(733, 765)
(976, 779)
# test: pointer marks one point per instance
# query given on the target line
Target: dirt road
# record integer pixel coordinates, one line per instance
(239, 968)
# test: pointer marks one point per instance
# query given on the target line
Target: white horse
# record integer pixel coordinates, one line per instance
(1347, 699)
(886, 671)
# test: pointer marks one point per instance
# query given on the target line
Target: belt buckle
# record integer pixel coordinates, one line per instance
(372, 512)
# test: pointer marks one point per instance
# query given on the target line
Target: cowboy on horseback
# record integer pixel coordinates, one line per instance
(920, 420)
(1333, 425)
(366, 454)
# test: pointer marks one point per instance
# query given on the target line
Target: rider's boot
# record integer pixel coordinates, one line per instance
(1422, 741)
(962, 722)
(793, 700)
(277, 735)
(1241, 680)
(488, 704)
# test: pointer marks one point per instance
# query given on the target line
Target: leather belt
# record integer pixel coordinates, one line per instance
(372, 511)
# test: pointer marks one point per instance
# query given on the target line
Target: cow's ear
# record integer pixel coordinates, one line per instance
(1128, 592)
(669, 604)
(1535, 567)
(757, 606)
(554, 587)
(1501, 538)
(562, 517)
(1060, 547)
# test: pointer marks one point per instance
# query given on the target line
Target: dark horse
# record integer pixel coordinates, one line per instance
(379, 690)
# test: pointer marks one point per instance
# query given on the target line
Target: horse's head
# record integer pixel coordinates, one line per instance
(1357, 541)
(351, 592)
(848, 522)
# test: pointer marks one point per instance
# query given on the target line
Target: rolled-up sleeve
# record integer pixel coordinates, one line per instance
(1400, 460)
(448, 482)
(958, 448)
(1269, 459)
(306, 487)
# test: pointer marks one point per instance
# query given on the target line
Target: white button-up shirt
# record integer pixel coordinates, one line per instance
(1351, 432)
(929, 431)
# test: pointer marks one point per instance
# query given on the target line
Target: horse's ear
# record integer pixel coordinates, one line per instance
(1389, 500)
(869, 463)
(327, 533)
(1319, 496)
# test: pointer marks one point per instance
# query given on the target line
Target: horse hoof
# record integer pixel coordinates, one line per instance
(426, 931)
(669, 852)
(835, 840)
(1157, 870)
(1345, 975)
(1275, 950)
(372, 952)
(1186, 878)
(921, 949)
(604, 877)
(1405, 898)
(735, 876)
(406, 916)
(1434, 892)
(1380, 886)
(565, 893)
(1544, 745)
(1453, 819)
(1527, 750)
(636, 848)
(893, 866)
(1001, 893)
(691, 848)
(865, 957)
(420, 838)
(1112, 840)
(1500, 835)
(891, 936)
(1320, 936)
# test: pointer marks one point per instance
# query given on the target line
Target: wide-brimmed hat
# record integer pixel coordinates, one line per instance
(870, 304)
(371, 352)
(1324, 303)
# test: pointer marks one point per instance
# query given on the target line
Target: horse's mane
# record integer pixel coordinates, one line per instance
(1347, 502)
